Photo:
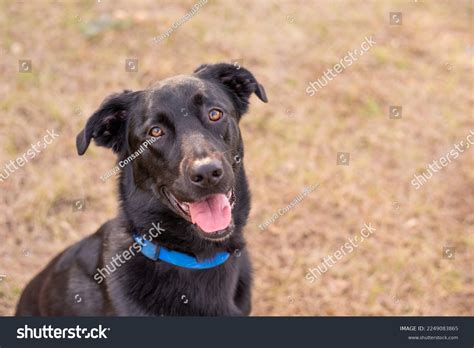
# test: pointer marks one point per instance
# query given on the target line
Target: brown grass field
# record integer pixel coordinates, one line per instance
(78, 51)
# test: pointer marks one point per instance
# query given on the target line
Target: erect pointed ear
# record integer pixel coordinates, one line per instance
(239, 81)
(107, 124)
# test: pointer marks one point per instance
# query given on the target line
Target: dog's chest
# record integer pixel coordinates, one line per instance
(202, 292)
(168, 290)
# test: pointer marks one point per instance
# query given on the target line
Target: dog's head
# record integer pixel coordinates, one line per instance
(182, 140)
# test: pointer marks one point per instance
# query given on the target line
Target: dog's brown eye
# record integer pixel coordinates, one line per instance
(156, 132)
(215, 114)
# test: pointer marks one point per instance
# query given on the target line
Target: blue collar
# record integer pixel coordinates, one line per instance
(177, 258)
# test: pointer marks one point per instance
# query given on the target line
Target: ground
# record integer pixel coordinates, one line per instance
(419, 259)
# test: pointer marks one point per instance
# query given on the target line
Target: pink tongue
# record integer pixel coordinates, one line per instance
(211, 214)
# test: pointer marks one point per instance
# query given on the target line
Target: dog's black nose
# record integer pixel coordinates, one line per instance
(207, 172)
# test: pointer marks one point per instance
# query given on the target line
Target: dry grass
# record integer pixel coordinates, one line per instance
(425, 65)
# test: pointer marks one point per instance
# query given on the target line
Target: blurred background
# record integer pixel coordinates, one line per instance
(60, 59)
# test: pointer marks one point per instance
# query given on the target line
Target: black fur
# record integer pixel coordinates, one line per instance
(69, 285)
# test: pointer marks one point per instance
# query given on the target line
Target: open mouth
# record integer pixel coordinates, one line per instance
(213, 214)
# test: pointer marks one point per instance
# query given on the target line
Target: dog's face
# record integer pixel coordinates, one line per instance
(182, 139)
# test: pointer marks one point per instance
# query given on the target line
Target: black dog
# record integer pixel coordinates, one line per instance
(182, 177)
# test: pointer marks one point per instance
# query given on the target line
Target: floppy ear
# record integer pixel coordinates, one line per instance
(107, 124)
(239, 81)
